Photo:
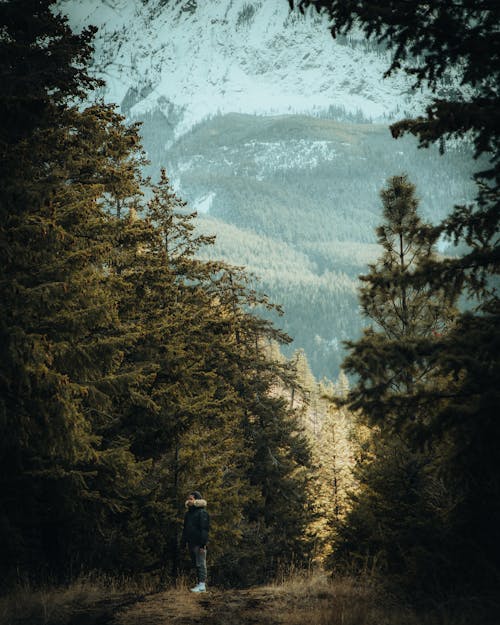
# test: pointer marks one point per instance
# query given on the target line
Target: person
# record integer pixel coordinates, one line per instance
(195, 536)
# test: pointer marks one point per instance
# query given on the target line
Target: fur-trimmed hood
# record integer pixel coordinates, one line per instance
(198, 503)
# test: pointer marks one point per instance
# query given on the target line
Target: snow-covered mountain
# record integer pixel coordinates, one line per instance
(258, 116)
(191, 59)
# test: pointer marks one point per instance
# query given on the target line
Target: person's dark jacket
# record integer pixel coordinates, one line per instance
(196, 525)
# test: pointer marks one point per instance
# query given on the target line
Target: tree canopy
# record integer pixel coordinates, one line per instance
(451, 49)
(132, 370)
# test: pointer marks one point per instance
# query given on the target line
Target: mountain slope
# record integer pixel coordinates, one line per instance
(292, 197)
(188, 59)
(295, 200)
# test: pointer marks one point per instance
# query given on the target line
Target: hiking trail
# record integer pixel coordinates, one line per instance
(255, 606)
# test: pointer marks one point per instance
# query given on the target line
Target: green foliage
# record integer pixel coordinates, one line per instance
(404, 517)
(398, 520)
(433, 44)
(412, 383)
(392, 359)
(60, 331)
(291, 199)
(133, 371)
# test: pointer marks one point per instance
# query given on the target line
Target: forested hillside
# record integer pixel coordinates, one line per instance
(139, 365)
(294, 200)
(306, 183)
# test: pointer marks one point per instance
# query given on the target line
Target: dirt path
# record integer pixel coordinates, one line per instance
(180, 607)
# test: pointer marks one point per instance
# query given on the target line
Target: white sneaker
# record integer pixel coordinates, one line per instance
(199, 588)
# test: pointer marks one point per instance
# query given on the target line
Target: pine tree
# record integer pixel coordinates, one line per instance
(183, 333)
(279, 459)
(62, 481)
(122, 349)
(397, 520)
(392, 359)
(197, 329)
(430, 43)
(393, 369)
(334, 449)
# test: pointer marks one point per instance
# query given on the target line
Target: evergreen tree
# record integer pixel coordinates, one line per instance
(392, 359)
(430, 43)
(278, 461)
(397, 520)
(402, 309)
(123, 351)
(393, 523)
(208, 350)
(334, 448)
(58, 322)
(183, 335)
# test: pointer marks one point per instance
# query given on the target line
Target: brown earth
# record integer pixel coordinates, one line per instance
(256, 606)
(301, 599)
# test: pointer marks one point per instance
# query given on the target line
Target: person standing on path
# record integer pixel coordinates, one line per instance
(195, 536)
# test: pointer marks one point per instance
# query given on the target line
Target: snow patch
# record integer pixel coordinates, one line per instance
(281, 155)
(203, 203)
(233, 56)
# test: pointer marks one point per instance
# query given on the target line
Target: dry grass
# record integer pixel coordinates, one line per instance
(302, 598)
(175, 606)
(95, 596)
(312, 598)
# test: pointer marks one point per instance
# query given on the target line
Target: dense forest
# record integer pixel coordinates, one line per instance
(293, 198)
(132, 371)
(427, 368)
(135, 369)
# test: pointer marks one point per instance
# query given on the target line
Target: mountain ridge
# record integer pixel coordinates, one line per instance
(192, 59)
(305, 226)
(261, 121)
